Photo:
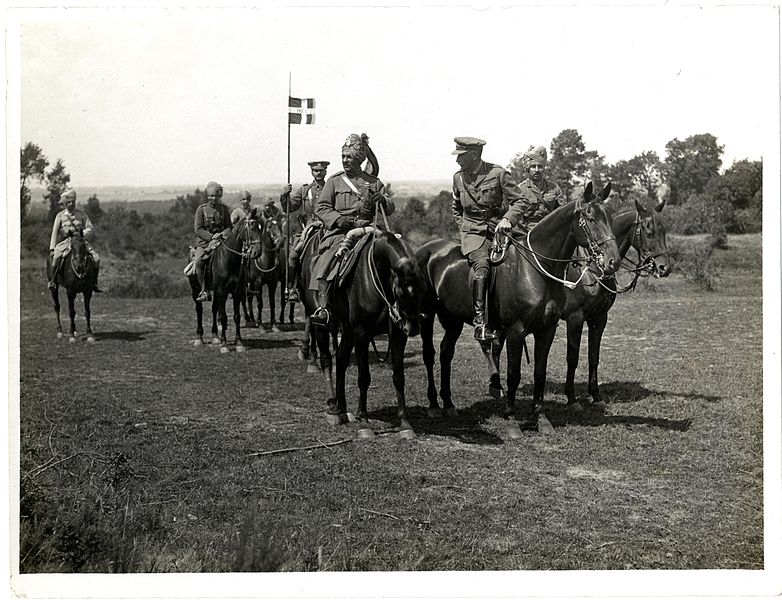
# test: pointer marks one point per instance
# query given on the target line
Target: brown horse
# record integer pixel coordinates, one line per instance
(225, 275)
(528, 296)
(264, 270)
(589, 302)
(77, 274)
(381, 296)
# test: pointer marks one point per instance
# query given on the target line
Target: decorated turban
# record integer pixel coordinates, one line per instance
(69, 194)
(214, 188)
(357, 145)
(535, 154)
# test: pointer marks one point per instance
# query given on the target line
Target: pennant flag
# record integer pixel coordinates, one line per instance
(301, 110)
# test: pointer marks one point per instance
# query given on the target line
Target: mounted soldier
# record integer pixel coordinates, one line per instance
(70, 221)
(212, 225)
(304, 201)
(244, 209)
(541, 195)
(486, 200)
(348, 200)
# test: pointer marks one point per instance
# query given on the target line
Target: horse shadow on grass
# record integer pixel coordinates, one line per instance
(265, 343)
(122, 336)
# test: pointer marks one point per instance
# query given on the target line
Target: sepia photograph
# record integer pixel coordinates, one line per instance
(399, 301)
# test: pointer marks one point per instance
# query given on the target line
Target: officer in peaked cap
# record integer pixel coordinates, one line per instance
(541, 194)
(486, 199)
(303, 199)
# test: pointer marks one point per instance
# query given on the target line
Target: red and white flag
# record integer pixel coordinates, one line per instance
(301, 110)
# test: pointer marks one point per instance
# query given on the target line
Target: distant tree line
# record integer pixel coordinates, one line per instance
(699, 198)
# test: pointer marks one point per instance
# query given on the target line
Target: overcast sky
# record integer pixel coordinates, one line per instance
(126, 97)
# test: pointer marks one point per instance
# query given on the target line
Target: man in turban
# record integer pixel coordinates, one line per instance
(349, 199)
(486, 200)
(70, 221)
(212, 225)
(244, 209)
(304, 199)
(542, 195)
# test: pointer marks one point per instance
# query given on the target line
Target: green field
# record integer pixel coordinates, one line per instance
(136, 451)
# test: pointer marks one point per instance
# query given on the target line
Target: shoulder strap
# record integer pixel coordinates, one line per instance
(350, 184)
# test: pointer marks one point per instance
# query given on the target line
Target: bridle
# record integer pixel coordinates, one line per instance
(393, 311)
(273, 249)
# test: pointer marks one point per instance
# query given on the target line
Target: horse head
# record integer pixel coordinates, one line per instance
(592, 230)
(408, 287)
(251, 234)
(272, 233)
(79, 253)
(649, 239)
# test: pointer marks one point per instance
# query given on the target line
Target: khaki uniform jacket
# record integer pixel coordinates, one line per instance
(66, 223)
(238, 213)
(305, 198)
(338, 200)
(481, 199)
(540, 201)
(210, 220)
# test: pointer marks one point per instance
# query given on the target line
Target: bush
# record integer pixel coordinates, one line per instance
(749, 220)
(700, 214)
(692, 257)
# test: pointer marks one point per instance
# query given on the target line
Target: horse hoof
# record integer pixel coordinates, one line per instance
(90, 340)
(72, 340)
(301, 356)
(544, 425)
(312, 369)
(365, 434)
(198, 343)
(497, 393)
(407, 434)
(333, 419)
(451, 412)
(275, 329)
(59, 335)
(513, 431)
(216, 341)
(575, 407)
(350, 418)
(434, 413)
(224, 350)
(240, 348)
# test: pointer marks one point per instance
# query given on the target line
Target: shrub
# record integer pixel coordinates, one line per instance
(692, 257)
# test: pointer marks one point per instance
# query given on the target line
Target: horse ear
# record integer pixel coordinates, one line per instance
(661, 204)
(606, 192)
(641, 208)
(588, 191)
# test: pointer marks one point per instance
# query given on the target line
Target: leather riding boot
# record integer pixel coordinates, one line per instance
(321, 316)
(292, 291)
(482, 331)
(55, 269)
(202, 281)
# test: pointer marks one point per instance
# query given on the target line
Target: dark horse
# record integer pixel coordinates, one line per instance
(283, 273)
(77, 274)
(528, 296)
(224, 275)
(386, 279)
(264, 270)
(589, 302)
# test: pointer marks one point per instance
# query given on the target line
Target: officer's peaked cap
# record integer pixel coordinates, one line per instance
(465, 144)
(319, 164)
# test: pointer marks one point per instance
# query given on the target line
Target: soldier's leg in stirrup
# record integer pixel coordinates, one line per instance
(201, 275)
(56, 259)
(292, 289)
(96, 262)
(321, 316)
(479, 263)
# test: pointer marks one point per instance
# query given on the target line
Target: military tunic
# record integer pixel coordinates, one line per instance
(480, 200)
(305, 198)
(336, 200)
(70, 223)
(540, 200)
(210, 219)
(240, 213)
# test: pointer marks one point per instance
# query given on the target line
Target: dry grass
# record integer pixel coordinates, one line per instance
(157, 434)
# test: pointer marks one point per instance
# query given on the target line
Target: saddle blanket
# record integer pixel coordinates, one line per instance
(348, 262)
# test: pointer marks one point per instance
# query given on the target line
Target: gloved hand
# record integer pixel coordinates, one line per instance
(217, 235)
(503, 226)
(379, 198)
(287, 189)
(345, 223)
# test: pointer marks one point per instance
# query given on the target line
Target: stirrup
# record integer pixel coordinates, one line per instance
(203, 296)
(293, 295)
(51, 285)
(483, 333)
(321, 317)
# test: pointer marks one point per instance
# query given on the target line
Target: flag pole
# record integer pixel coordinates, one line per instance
(288, 203)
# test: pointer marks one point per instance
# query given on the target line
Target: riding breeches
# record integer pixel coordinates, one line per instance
(64, 248)
(479, 260)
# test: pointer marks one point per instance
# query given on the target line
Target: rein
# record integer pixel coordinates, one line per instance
(75, 270)
(393, 313)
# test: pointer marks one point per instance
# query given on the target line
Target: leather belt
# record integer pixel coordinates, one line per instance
(486, 212)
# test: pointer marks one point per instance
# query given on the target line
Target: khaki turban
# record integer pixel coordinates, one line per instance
(69, 194)
(357, 145)
(535, 154)
(214, 188)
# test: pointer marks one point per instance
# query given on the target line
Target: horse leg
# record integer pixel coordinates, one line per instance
(428, 352)
(56, 297)
(283, 303)
(492, 352)
(323, 339)
(543, 341)
(72, 314)
(343, 362)
(291, 307)
(237, 324)
(247, 309)
(259, 298)
(447, 349)
(575, 328)
(305, 352)
(272, 291)
(87, 299)
(215, 312)
(515, 343)
(596, 327)
(398, 341)
(362, 341)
